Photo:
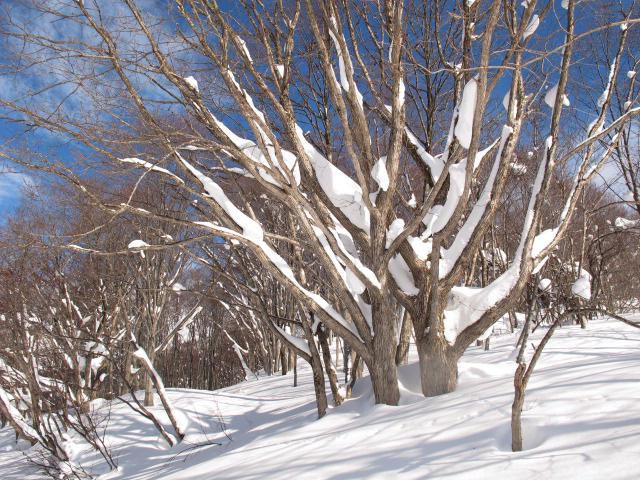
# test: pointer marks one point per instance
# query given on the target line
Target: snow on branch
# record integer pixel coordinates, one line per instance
(15, 418)
(531, 27)
(182, 324)
(297, 342)
(250, 228)
(402, 275)
(465, 113)
(434, 164)
(343, 192)
(344, 60)
(269, 256)
(582, 286)
(451, 255)
(176, 421)
(151, 167)
(238, 350)
(468, 304)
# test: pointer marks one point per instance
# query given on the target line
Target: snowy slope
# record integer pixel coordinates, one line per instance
(581, 420)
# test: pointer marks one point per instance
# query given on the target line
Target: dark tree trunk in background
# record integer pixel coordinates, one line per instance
(323, 339)
(402, 352)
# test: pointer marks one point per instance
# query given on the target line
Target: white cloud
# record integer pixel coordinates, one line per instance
(12, 186)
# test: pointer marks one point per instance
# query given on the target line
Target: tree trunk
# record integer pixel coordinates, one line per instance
(316, 368)
(295, 370)
(516, 409)
(405, 338)
(384, 378)
(318, 382)
(148, 391)
(328, 365)
(355, 374)
(148, 386)
(438, 366)
(383, 370)
(284, 360)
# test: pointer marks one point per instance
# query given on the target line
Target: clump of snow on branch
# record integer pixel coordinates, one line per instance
(343, 58)
(550, 97)
(245, 50)
(192, 82)
(250, 228)
(402, 275)
(531, 27)
(435, 164)
(299, 343)
(624, 223)
(151, 166)
(466, 111)
(394, 230)
(136, 244)
(544, 284)
(605, 93)
(582, 286)
(343, 192)
(380, 174)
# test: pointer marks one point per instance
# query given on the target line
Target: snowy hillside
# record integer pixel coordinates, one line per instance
(581, 420)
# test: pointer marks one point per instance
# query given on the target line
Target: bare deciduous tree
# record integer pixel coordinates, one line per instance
(381, 243)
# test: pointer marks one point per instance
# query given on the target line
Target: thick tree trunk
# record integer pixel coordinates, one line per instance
(438, 366)
(148, 391)
(382, 366)
(384, 378)
(383, 370)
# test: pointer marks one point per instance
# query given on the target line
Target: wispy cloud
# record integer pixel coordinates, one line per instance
(12, 186)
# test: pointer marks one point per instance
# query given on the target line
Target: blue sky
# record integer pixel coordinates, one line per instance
(12, 184)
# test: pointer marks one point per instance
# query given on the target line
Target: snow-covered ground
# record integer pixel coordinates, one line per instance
(581, 420)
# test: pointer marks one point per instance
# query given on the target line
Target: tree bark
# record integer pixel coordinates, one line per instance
(328, 365)
(318, 383)
(295, 370)
(383, 369)
(354, 375)
(438, 367)
(405, 338)
(516, 408)
(284, 360)
(148, 388)
(316, 368)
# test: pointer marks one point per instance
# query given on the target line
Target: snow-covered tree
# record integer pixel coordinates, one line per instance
(370, 122)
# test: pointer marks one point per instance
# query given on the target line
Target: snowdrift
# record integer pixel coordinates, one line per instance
(581, 420)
